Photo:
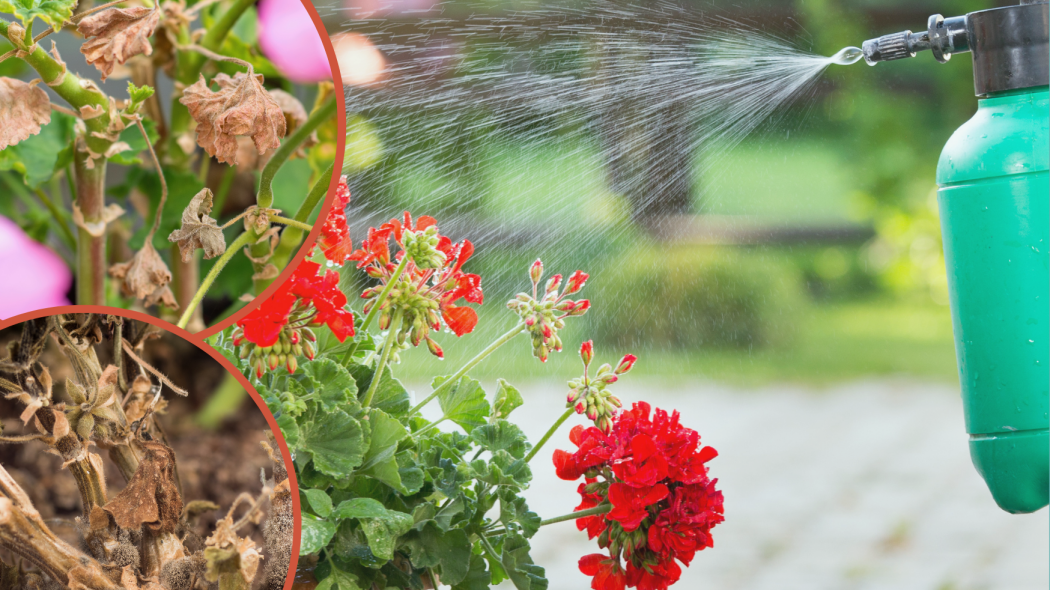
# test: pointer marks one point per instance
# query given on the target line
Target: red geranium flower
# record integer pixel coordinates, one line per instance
(606, 571)
(653, 577)
(631, 504)
(264, 324)
(335, 235)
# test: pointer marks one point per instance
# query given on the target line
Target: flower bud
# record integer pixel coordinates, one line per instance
(309, 334)
(576, 282)
(384, 320)
(625, 364)
(536, 272)
(291, 364)
(581, 307)
(259, 369)
(592, 412)
(244, 352)
(308, 350)
(587, 352)
(434, 348)
(295, 337)
(553, 284)
(274, 361)
(580, 407)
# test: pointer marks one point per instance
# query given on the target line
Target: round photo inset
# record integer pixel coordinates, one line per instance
(133, 459)
(170, 158)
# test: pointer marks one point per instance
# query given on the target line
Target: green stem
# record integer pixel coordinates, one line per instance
(377, 376)
(602, 509)
(372, 313)
(91, 250)
(490, 549)
(288, 147)
(561, 420)
(470, 365)
(241, 241)
(290, 222)
(67, 232)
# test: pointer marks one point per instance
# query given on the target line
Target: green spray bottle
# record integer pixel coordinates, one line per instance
(994, 201)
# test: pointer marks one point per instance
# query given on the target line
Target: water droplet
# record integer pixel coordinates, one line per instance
(847, 56)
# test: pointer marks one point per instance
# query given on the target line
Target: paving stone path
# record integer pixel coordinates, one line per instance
(859, 486)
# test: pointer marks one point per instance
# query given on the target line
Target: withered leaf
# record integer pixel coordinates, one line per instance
(117, 34)
(145, 277)
(241, 106)
(97, 228)
(152, 497)
(198, 229)
(24, 109)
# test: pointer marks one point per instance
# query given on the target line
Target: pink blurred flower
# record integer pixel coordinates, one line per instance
(34, 276)
(288, 38)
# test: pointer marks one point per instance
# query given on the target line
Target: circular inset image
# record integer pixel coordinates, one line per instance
(135, 460)
(166, 157)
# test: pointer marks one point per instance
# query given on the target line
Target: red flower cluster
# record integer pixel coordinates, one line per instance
(430, 284)
(273, 330)
(663, 505)
(335, 235)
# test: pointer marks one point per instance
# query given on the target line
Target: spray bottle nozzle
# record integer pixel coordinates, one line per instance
(943, 37)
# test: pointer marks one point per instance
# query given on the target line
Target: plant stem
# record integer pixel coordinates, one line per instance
(91, 250)
(550, 432)
(290, 222)
(372, 313)
(602, 509)
(291, 143)
(377, 376)
(241, 241)
(470, 365)
(490, 549)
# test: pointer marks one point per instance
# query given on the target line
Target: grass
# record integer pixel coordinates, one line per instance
(834, 343)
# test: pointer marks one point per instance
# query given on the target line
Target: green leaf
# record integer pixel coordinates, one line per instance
(360, 508)
(386, 433)
(519, 566)
(332, 384)
(514, 513)
(508, 398)
(338, 579)
(289, 429)
(52, 12)
(502, 436)
(477, 577)
(319, 502)
(36, 158)
(449, 551)
(383, 532)
(464, 402)
(316, 534)
(133, 137)
(390, 396)
(335, 441)
(502, 470)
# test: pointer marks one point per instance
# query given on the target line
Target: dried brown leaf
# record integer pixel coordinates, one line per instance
(151, 498)
(24, 109)
(198, 229)
(241, 106)
(145, 277)
(97, 228)
(117, 34)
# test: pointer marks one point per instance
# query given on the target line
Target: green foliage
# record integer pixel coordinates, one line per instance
(37, 158)
(52, 12)
(697, 298)
(389, 500)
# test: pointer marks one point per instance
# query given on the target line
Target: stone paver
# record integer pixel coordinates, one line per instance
(864, 486)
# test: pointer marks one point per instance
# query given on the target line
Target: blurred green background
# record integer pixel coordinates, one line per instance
(824, 262)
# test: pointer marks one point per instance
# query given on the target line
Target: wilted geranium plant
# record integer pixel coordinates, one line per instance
(229, 105)
(146, 536)
(391, 499)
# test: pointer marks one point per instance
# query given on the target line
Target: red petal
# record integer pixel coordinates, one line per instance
(461, 320)
(589, 564)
